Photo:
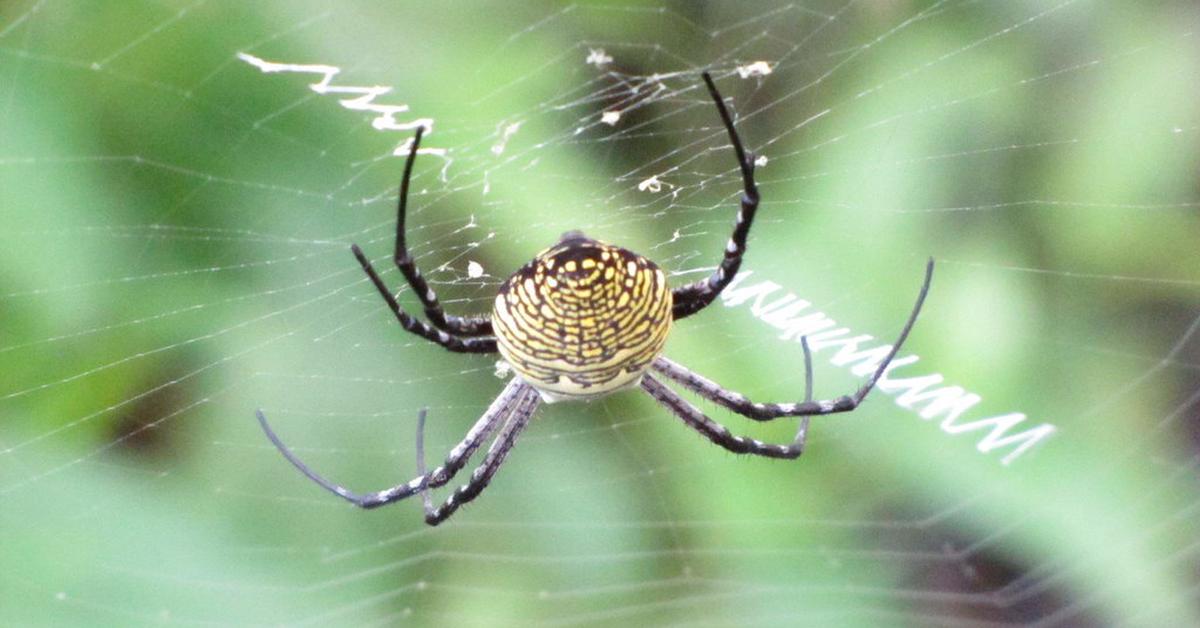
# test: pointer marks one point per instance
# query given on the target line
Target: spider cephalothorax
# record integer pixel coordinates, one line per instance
(582, 320)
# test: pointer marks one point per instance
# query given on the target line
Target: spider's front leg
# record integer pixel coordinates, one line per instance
(457, 325)
(418, 327)
(696, 296)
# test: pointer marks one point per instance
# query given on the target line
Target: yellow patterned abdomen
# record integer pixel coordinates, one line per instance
(583, 318)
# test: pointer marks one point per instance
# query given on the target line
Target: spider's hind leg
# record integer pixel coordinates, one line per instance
(719, 434)
(483, 474)
(504, 405)
(767, 411)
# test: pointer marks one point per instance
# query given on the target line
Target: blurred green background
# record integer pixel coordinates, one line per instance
(173, 255)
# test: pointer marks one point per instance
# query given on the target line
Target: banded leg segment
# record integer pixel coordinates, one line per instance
(696, 296)
(455, 461)
(766, 411)
(503, 407)
(483, 474)
(717, 433)
(457, 325)
(418, 327)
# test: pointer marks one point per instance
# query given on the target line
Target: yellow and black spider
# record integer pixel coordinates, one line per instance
(582, 320)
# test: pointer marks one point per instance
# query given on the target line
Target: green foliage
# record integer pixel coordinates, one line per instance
(174, 255)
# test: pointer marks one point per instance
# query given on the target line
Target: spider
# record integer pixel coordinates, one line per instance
(580, 321)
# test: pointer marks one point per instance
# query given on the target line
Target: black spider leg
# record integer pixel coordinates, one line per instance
(418, 327)
(502, 407)
(456, 460)
(458, 325)
(766, 411)
(696, 296)
(482, 475)
(718, 433)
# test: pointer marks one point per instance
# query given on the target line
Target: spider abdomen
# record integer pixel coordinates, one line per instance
(583, 319)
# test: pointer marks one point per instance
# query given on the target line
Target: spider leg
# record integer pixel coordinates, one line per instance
(694, 297)
(483, 474)
(717, 433)
(502, 407)
(458, 325)
(766, 411)
(418, 327)
(456, 460)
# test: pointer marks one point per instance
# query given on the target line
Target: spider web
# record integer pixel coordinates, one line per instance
(180, 182)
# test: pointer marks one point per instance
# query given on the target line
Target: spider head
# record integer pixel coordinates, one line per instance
(573, 236)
